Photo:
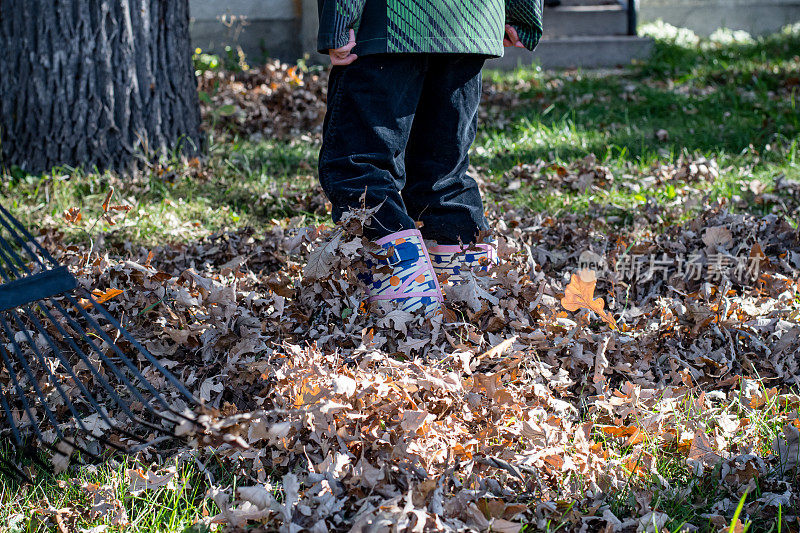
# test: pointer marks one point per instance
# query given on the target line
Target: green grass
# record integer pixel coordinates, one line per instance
(241, 184)
(32, 508)
(736, 103)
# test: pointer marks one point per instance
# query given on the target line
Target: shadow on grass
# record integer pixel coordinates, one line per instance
(262, 180)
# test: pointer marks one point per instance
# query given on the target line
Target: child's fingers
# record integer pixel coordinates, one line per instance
(343, 52)
(351, 43)
(512, 37)
(511, 31)
(341, 61)
(346, 48)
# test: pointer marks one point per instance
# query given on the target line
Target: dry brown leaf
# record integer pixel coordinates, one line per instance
(73, 215)
(787, 447)
(500, 349)
(139, 481)
(321, 260)
(105, 504)
(579, 294)
(107, 200)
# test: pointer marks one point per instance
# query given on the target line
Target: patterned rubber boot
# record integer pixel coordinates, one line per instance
(452, 259)
(412, 280)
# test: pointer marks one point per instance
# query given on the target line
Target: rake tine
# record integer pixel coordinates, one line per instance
(7, 261)
(131, 387)
(11, 261)
(54, 380)
(39, 394)
(39, 436)
(15, 431)
(124, 406)
(62, 336)
(171, 378)
(114, 323)
(33, 424)
(20, 392)
(41, 397)
(26, 367)
(75, 326)
(141, 349)
(4, 271)
(18, 437)
(10, 417)
(13, 471)
(51, 377)
(128, 363)
(28, 237)
(20, 445)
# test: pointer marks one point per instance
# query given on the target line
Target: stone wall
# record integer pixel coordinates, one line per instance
(704, 16)
(262, 28)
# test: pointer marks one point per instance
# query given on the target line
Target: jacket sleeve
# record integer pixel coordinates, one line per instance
(336, 19)
(526, 17)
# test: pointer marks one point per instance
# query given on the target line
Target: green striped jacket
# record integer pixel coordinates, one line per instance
(446, 26)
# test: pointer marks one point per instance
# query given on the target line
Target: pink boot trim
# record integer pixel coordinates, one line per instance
(422, 265)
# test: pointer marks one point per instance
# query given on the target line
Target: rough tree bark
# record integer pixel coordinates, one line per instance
(95, 83)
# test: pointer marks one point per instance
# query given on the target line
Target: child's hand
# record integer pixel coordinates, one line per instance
(511, 38)
(342, 56)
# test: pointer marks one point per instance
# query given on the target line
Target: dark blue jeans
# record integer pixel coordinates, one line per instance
(397, 132)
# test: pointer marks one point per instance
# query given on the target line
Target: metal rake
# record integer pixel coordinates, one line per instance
(66, 382)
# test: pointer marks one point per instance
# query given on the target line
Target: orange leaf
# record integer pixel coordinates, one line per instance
(73, 215)
(293, 77)
(104, 296)
(308, 394)
(108, 199)
(100, 296)
(556, 461)
(579, 294)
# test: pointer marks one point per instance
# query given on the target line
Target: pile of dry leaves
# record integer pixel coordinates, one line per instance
(531, 401)
(282, 101)
(275, 100)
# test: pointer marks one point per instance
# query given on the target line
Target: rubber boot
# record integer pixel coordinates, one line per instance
(453, 259)
(411, 280)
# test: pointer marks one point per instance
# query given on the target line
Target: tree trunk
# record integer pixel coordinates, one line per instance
(95, 83)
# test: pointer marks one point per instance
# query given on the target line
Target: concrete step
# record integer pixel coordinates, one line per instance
(567, 21)
(577, 52)
(588, 3)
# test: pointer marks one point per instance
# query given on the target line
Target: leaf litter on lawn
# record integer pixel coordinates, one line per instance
(509, 409)
(501, 413)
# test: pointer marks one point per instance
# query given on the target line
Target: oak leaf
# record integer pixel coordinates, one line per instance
(321, 260)
(579, 294)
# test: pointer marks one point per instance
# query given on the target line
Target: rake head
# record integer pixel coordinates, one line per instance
(72, 379)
